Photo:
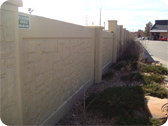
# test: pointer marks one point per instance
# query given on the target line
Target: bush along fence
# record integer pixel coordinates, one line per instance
(46, 65)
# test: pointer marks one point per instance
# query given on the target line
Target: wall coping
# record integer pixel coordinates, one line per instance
(120, 25)
(96, 26)
(18, 3)
(112, 20)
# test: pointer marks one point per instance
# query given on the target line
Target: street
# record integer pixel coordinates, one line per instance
(158, 50)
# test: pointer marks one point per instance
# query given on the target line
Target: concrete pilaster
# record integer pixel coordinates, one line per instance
(112, 27)
(98, 52)
(121, 37)
(11, 105)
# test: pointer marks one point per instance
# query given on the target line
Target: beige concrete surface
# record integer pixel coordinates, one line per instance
(112, 27)
(56, 62)
(98, 52)
(107, 50)
(154, 105)
(9, 78)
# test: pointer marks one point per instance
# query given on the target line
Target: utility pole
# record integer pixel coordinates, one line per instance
(100, 17)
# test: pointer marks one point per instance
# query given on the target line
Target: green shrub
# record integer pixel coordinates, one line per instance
(155, 90)
(122, 102)
(128, 120)
(153, 78)
(154, 69)
(117, 101)
(144, 78)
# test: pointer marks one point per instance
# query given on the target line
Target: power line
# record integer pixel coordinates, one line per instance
(90, 10)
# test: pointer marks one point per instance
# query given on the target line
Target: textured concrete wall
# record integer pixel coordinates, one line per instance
(9, 97)
(57, 60)
(107, 50)
(54, 69)
(121, 37)
(45, 69)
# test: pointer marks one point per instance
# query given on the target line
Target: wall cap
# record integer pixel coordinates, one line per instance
(112, 20)
(120, 25)
(96, 26)
(18, 3)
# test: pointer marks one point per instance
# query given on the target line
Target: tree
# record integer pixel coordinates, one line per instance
(139, 35)
(147, 29)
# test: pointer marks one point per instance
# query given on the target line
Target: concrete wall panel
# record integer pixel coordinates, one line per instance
(57, 60)
(107, 50)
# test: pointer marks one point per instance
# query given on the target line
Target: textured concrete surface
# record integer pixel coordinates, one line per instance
(53, 70)
(155, 104)
(9, 101)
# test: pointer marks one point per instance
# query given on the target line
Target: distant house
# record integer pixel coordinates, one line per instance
(135, 34)
(159, 30)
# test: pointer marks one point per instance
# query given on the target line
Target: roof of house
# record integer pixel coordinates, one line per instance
(160, 26)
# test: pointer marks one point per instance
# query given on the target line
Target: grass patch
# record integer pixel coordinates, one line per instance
(142, 77)
(154, 69)
(118, 101)
(155, 90)
(121, 103)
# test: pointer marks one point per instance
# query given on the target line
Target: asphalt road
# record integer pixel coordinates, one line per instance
(157, 50)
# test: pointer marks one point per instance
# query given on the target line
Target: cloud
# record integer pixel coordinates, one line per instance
(165, 1)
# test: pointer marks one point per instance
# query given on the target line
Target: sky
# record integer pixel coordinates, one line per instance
(132, 14)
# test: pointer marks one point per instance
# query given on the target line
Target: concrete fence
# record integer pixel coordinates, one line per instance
(46, 68)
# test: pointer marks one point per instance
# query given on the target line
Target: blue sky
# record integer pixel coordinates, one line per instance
(132, 14)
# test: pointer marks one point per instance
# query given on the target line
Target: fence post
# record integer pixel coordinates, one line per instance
(112, 27)
(11, 109)
(98, 52)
